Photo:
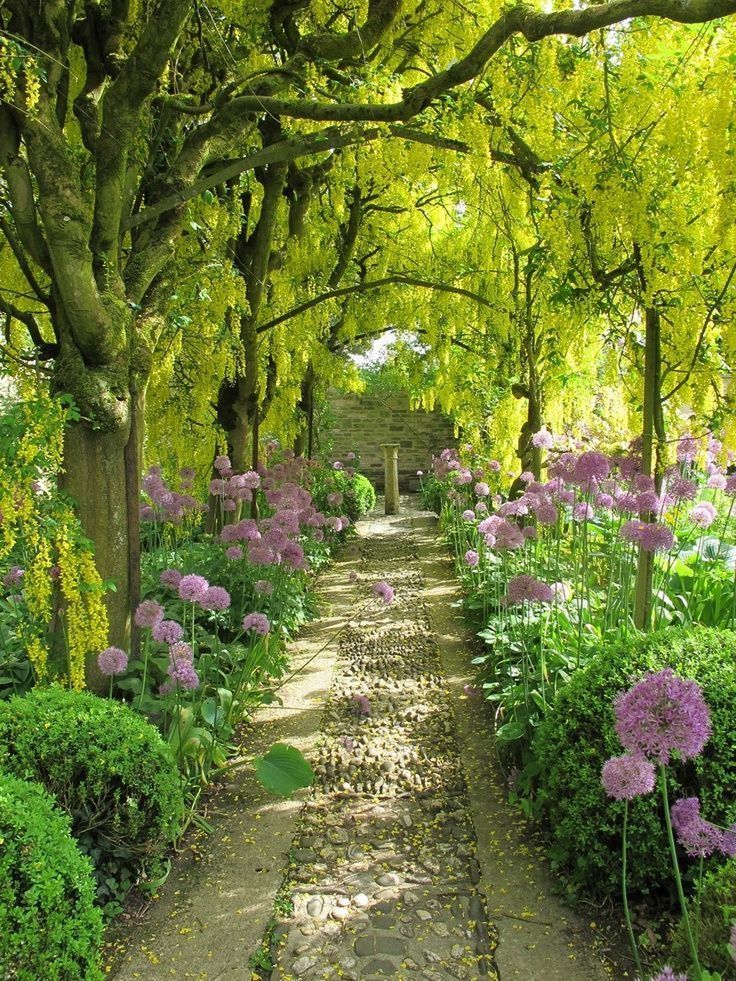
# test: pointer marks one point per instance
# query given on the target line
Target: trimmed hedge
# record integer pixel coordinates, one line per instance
(360, 497)
(108, 768)
(578, 736)
(49, 925)
(717, 911)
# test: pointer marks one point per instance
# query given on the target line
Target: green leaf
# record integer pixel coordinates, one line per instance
(510, 731)
(283, 770)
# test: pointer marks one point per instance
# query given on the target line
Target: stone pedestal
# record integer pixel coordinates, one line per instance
(391, 471)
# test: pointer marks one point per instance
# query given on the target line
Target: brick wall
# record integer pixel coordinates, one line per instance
(362, 423)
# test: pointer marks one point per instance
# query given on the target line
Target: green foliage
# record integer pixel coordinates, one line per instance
(360, 497)
(717, 913)
(49, 925)
(108, 769)
(433, 493)
(283, 770)
(578, 736)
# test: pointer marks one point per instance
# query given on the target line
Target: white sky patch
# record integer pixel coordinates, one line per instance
(377, 353)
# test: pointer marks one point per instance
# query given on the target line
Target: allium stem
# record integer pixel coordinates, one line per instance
(678, 879)
(625, 893)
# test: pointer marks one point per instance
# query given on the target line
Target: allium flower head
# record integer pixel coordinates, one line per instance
(697, 836)
(167, 632)
(494, 465)
(234, 553)
(468, 515)
(663, 714)
(591, 466)
(542, 440)
(625, 777)
(193, 587)
(682, 489)
(222, 463)
(583, 511)
(182, 673)
(482, 489)
(717, 481)
(471, 558)
(149, 613)
(547, 513)
(667, 974)
(215, 598)
(384, 591)
(170, 577)
(655, 536)
(508, 536)
(527, 589)
(263, 586)
(687, 449)
(361, 705)
(257, 622)
(703, 514)
(112, 661)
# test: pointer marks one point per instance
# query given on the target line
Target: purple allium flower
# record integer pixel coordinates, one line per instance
(171, 578)
(583, 511)
(335, 499)
(529, 532)
(361, 704)
(181, 651)
(234, 553)
(547, 513)
(667, 974)
(697, 836)
(258, 622)
(167, 632)
(687, 449)
(183, 673)
(384, 592)
(730, 487)
(648, 501)
(337, 465)
(663, 714)
(682, 489)
(350, 455)
(655, 537)
(591, 466)
(527, 589)
(732, 945)
(14, 576)
(215, 598)
(543, 440)
(625, 777)
(463, 476)
(147, 513)
(703, 515)
(112, 661)
(604, 500)
(222, 463)
(527, 477)
(508, 536)
(217, 487)
(718, 481)
(471, 558)
(193, 587)
(494, 466)
(263, 586)
(482, 489)
(149, 612)
(468, 515)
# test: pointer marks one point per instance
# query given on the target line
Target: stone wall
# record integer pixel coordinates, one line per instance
(362, 423)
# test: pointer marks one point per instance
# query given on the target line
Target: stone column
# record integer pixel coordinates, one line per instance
(391, 471)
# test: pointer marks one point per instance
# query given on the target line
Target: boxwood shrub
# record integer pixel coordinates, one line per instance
(50, 927)
(717, 913)
(360, 497)
(578, 736)
(108, 768)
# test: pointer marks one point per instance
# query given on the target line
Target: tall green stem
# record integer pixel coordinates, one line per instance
(625, 893)
(678, 879)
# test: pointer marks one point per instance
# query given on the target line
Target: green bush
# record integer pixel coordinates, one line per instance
(717, 912)
(108, 768)
(49, 925)
(578, 736)
(360, 497)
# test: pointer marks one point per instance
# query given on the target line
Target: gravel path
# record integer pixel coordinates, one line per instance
(383, 875)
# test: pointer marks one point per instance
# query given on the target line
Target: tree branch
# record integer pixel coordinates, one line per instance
(394, 280)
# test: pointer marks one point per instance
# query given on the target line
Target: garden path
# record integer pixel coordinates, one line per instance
(405, 860)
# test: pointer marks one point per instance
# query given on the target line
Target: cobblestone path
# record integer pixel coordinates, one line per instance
(383, 874)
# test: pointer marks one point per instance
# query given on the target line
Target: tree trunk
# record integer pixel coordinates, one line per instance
(303, 440)
(650, 413)
(95, 476)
